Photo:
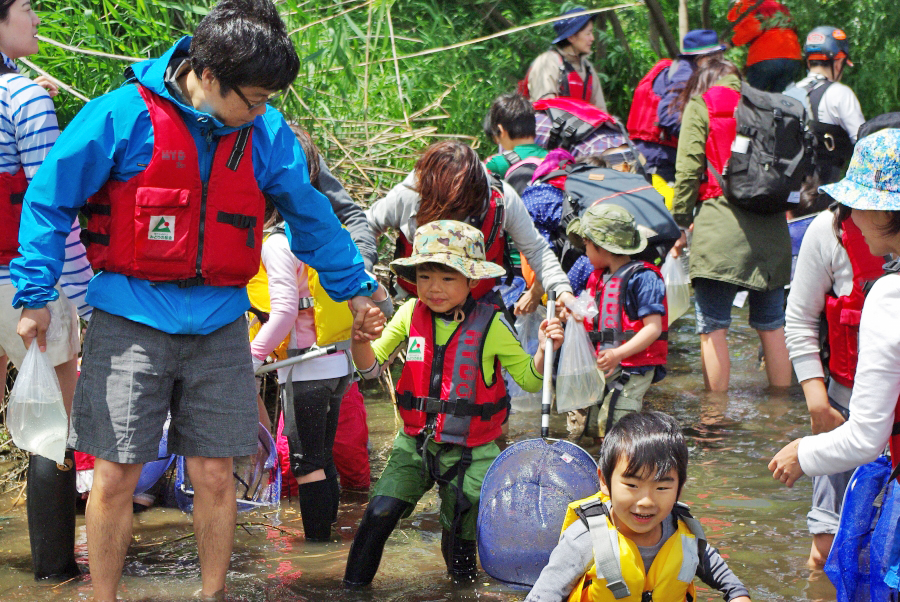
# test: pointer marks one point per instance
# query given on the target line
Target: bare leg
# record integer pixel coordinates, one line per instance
(818, 554)
(67, 374)
(3, 363)
(264, 414)
(108, 520)
(215, 512)
(778, 363)
(715, 360)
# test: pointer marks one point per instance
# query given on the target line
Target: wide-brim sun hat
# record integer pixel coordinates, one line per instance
(700, 42)
(451, 243)
(569, 27)
(872, 182)
(610, 227)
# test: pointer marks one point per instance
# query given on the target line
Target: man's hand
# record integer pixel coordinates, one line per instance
(34, 324)
(562, 310)
(529, 300)
(368, 321)
(680, 244)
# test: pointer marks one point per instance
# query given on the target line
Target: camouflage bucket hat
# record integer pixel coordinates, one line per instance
(609, 227)
(451, 243)
(873, 177)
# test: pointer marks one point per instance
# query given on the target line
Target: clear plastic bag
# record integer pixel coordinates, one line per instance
(579, 384)
(678, 287)
(36, 417)
(527, 326)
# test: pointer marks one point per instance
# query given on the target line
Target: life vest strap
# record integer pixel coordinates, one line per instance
(91, 209)
(88, 237)
(16, 198)
(607, 561)
(460, 408)
(239, 220)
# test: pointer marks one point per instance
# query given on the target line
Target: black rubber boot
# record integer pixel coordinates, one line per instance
(377, 524)
(315, 510)
(51, 517)
(461, 556)
(331, 476)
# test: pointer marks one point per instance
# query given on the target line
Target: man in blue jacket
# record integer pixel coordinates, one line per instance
(171, 173)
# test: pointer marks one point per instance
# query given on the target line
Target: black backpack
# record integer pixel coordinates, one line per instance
(772, 153)
(586, 185)
(879, 122)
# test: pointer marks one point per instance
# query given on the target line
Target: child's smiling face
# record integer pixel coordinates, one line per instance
(641, 502)
(442, 290)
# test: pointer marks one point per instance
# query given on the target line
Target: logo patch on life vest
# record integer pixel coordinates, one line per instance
(416, 350)
(162, 227)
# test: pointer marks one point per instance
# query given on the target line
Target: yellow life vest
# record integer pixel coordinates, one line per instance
(333, 319)
(671, 576)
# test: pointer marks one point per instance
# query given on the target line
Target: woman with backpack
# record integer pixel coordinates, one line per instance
(732, 249)
(564, 69)
(450, 182)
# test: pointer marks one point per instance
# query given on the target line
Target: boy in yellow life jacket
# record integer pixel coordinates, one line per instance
(634, 522)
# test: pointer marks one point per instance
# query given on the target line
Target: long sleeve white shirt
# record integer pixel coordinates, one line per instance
(823, 267)
(875, 390)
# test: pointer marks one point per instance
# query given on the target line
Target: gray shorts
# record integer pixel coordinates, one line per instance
(827, 499)
(133, 375)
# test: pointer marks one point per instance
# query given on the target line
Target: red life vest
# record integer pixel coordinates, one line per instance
(166, 224)
(442, 386)
(494, 244)
(843, 313)
(643, 120)
(12, 191)
(612, 326)
(570, 84)
(721, 103)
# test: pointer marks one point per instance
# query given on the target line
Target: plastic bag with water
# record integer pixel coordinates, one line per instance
(36, 417)
(579, 384)
(678, 287)
(527, 326)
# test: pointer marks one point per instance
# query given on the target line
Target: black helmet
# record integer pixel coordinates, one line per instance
(825, 43)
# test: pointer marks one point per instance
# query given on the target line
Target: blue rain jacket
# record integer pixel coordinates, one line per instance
(112, 138)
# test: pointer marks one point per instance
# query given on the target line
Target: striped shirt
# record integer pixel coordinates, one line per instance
(28, 128)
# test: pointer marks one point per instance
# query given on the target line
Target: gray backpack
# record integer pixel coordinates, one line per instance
(771, 154)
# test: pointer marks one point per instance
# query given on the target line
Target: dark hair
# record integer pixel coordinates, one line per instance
(842, 213)
(811, 200)
(272, 216)
(438, 267)
(245, 43)
(703, 79)
(650, 441)
(515, 113)
(4, 8)
(451, 182)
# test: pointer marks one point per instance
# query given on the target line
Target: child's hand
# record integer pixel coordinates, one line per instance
(608, 360)
(553, 329)
(47, 84)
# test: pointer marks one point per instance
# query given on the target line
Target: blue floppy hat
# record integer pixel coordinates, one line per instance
(873, 177)
(569, 27)
(699, 42)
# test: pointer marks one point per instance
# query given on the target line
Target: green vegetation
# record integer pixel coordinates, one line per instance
(372, 110)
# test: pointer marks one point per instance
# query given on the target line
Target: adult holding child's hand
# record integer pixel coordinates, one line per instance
(870, 196)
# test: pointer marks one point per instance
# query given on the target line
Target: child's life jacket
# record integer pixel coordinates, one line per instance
(12, 192)
(721, 103)
(618, 573)
(442, 388)
(643, 119)
(333, 319)
(612, 326)
(168, 225)
(842, 314)
(494, 243)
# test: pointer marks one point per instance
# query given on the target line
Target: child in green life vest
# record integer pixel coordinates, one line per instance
(510, 123)
(451, 395)
(658, 546)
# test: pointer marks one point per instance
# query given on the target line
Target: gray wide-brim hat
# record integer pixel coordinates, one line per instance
(609, 227)
(451, 243)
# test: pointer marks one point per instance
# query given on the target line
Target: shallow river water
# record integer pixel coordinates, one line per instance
(758, 524)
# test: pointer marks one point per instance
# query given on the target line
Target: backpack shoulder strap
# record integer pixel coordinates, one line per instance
(605, 542)
(815, 97)
(511, 156)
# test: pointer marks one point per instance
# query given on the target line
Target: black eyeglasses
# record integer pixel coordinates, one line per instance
(253, 106)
